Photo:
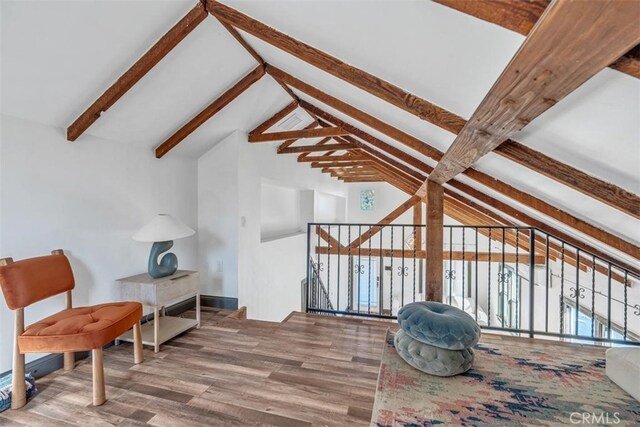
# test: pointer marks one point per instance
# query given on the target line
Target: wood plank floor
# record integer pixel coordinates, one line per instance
(308, 370)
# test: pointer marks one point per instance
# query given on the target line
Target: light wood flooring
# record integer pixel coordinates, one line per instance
(307, 370)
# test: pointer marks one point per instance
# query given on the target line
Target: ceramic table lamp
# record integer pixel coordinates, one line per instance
(162, 231)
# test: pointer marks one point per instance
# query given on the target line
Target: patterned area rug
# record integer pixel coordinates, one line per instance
(537, 384)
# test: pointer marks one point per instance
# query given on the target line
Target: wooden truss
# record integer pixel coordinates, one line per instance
(352, 155)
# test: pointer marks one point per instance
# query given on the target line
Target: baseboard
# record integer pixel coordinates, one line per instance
(219, 302)
(52, 362)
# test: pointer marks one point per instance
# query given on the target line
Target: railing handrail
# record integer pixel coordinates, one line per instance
(532, 248)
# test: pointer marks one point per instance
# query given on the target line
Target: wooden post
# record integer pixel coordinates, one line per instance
(435, 223)
(99, 395)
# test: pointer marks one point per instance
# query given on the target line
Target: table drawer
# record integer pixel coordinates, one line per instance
(177, 287)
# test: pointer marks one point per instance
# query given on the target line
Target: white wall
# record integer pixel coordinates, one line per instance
(218, 221)
(88, 198)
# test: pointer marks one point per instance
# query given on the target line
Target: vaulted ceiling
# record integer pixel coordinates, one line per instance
(59, 57)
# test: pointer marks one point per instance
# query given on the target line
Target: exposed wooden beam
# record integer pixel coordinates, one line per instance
(629, 63)
(338, 164)
(334, 158)
(392, 216)
(435, 240)
(332, 65)
(289, 142)
(378, 179)
(321, 142)
(210, 111)
(497, 185)
(520, 16)
(316, 148)
(612, 195)
(571, 42)
(138, 70)
(236, 35)
(297, 134)
(271, 121)
(502, 188)
(601, 190)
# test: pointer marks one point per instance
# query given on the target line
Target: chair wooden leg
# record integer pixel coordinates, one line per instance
(69, 361)
(138, 356)
(99, 396)
(18, 390)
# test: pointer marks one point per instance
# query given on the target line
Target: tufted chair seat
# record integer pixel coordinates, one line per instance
(28, 281)
(80, 328)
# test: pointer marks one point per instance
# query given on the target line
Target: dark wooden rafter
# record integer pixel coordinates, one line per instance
(392, 155)
(213, 108)
(316, 148)
(317, 165)
(605, 192)
(332, 158)
(570, 43)
(490, 182)
(321, 142)
(138, 70)
(271, 121)
(297, 134)
(520, 16)
(392, 216)
(290, 142)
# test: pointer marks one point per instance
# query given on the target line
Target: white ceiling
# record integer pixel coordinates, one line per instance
(58, 56)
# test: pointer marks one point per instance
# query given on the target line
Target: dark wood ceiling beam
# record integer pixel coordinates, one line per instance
(317, 165)
(321, 142)
(138, 70)
(334, 66)
(490, 182)
(271, 121)
(570, 43)
(334, 158)
(211, 110)
(509, 191)
(603, 191)
(297, 134)
(316, 148)
(520, 16)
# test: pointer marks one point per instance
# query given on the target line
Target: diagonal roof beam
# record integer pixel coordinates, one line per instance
(138, 70)
(297, 134)
(520, 16)
(423, 148)
(490, 201)
(210, 111)
(593, 187)
(271, 121)
(603, 191)
(316, 148)
(570, 43)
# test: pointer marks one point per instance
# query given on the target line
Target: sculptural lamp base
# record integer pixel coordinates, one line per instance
(167, 265)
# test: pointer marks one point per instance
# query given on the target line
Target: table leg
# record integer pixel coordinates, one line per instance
(198, 310)
(156, 329)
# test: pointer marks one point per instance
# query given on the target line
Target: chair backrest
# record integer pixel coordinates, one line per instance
(31, 280)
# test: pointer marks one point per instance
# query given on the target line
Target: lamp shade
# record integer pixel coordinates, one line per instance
(163, 228)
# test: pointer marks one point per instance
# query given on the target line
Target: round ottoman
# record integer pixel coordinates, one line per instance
(432, 360)
(439, 325)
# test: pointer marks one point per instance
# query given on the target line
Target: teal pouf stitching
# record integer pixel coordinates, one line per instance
(439, 325)
(432, 360)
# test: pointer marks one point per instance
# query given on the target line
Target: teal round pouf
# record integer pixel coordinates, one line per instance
(432, 360)
(439, 325)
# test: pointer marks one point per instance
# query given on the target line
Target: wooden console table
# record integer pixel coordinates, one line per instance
(157, 294)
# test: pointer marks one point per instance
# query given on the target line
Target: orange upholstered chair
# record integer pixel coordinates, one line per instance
(74, 329)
